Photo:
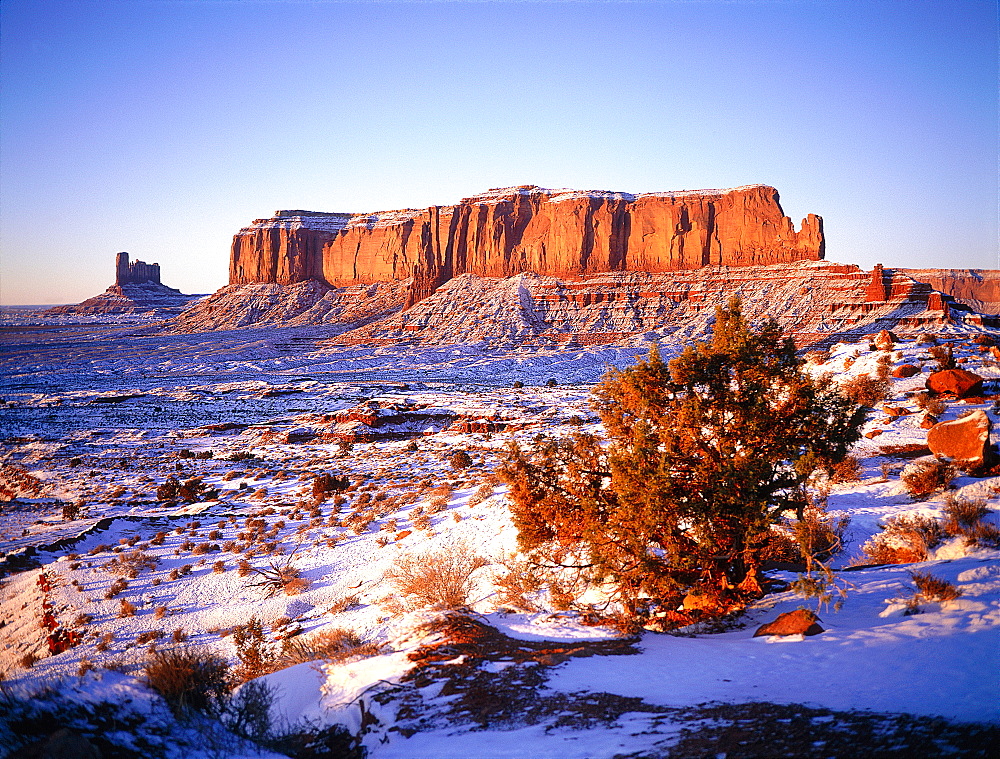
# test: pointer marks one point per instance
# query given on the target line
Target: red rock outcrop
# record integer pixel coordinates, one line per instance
(977, 288)
(502, 232)
(965, 441)
(957, 382)
(137, 290)
(798, 622)
(135, 273)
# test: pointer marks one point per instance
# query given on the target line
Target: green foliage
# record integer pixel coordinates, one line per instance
(704, 455)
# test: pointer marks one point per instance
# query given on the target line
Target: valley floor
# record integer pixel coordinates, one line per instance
(96, 418)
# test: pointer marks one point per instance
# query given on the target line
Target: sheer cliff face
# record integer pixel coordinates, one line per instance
(561, 233)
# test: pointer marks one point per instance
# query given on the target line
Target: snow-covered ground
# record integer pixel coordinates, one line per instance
(99, 417)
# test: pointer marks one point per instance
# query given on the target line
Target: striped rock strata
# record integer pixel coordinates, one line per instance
(560, 233)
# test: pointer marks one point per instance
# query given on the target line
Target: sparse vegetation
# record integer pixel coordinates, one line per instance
(705, 455)
(924, 478)
(904, 539)
(437, 579)
(866, 390)
(189, 679)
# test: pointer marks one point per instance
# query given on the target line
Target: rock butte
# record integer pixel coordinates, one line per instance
(560, 233)
(137, 289)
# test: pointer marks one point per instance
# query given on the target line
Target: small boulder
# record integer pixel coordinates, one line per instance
(956, 382)
(965, 441)
(905, 370)
(798, 622)
(928, 420)
(885, 340)
(894, 411)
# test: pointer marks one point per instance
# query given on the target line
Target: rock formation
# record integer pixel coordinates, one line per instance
(135, 273)
(561, 233)
(137, 290)
(977, 288)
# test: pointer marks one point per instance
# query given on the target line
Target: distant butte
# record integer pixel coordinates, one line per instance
(137, 289)
(502, 232)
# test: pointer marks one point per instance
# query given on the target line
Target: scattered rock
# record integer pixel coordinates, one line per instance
(896, 411)
(928, 420)
(964, 441)
(873, 433)
(798, 622)
(905, 370)
(885, 340)
(956, 382)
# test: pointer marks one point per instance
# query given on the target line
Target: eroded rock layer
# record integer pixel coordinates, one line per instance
(977, 288)
(814, 301)
(561, 233)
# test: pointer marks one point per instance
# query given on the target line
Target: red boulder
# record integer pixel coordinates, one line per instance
(956, 382)
(798, 622)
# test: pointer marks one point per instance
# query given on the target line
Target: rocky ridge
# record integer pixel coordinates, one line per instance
(816, 302)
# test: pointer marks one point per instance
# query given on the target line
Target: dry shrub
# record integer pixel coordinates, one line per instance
(819, 535)
(160, 612)
(924, 478)
(115, 588)
(483, 492)
(277, 576)
(189, 679)
(961, 513)
(460, 460)
(255, 652)
(202, 548)
(334, 645)
(295, 586)
(933, 406)
(104, 642)
(147, 636)
(943, 356)
(125, 609)
(865, 390)
(965, 517)
(437, 504)
(178, 635)
(933, 589)
(437, 579)
(778, 546)
(848, 469)
(904, 539)
(520, 581)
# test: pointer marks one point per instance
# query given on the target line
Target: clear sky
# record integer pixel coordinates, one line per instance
(160, 127)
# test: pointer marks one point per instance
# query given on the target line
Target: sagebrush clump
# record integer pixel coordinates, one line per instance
(437, 579)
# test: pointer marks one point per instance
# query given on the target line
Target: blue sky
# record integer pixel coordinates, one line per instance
(160, 127)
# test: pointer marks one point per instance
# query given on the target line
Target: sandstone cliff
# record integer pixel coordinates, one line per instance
(499, 233)
(977, 288)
